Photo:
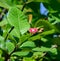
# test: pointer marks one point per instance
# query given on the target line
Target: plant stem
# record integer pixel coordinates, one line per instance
(9, 32)
(7, 56)
(23, 6)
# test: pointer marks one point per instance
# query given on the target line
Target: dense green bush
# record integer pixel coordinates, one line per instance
(29, 30)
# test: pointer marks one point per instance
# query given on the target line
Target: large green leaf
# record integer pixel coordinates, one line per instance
(3, 3)
(22, 53)
(28, 44)
(10, 47)
(7, 3)
(17, 19)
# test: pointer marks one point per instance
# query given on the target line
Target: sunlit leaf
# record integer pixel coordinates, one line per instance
(28, 44)
(10, 47)
(28, 59)
(22, 53)
(45, 49)
(17, 19)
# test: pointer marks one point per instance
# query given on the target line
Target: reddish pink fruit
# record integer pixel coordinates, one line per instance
(33, 30)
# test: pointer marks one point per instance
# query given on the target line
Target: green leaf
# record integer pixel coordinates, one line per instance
(4, 22)
(44, 39)
(2, 43)
(45, 49)
(15, 33)
(57, 19)
(7, 3)
(54, 51)
(1, 53)
(22, 53)
(28, 59)
(12, 59)
(35, 37)
(42, 49)
(1, 59)
(38, 54)
(46, 25)
(10, 47)
(17, 19)
(3, 3)
(51, 10)
(48, 32)
(28, 44)
(25, 37)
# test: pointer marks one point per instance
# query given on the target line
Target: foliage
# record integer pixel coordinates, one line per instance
(17, 43)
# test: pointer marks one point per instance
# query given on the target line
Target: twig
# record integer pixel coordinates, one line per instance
(8, 33)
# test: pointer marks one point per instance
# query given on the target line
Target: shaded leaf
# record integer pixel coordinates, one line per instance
(46, 25)
(1, 59)
(45, 1)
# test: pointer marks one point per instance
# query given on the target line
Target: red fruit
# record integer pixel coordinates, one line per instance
(33, 30)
